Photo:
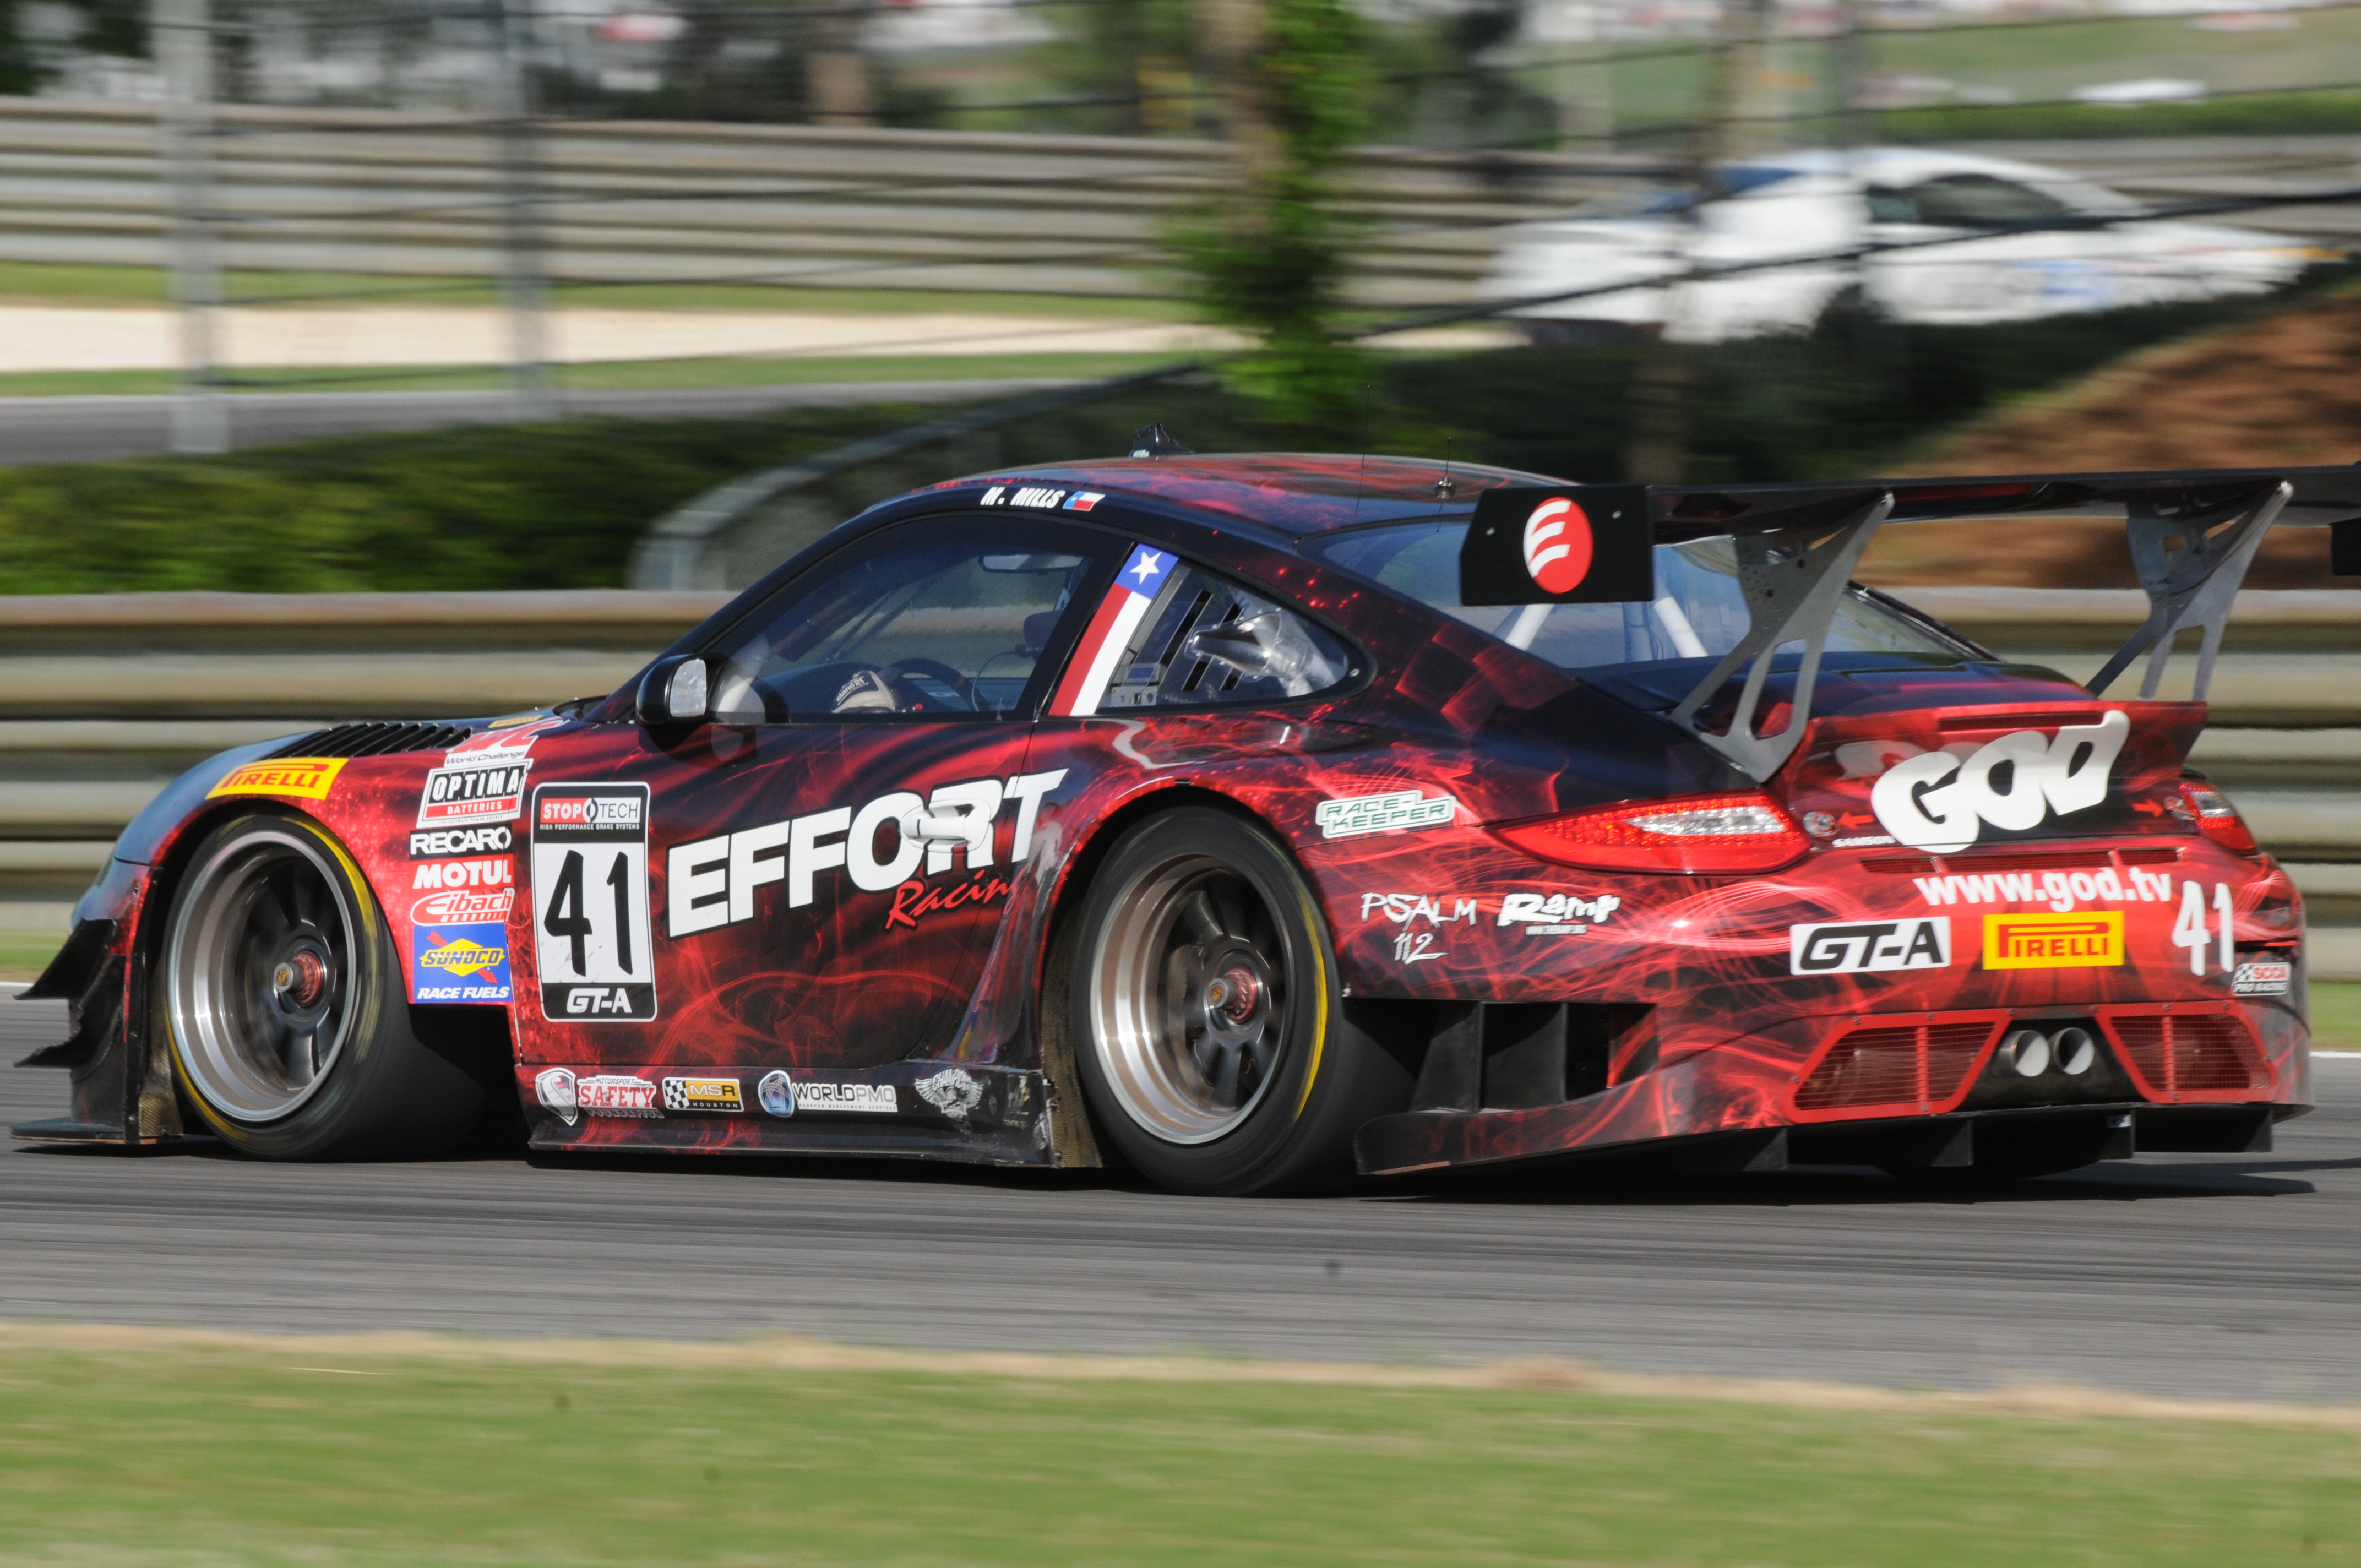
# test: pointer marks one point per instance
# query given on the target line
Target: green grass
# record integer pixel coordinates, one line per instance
(78, 283)
(630, 374)
(24, 954)
(170, 1453)
(2336, 1014)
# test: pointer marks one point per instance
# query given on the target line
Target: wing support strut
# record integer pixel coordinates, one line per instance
(1792, 586)
(2191, 579)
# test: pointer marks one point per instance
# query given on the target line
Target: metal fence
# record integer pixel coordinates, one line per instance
(104, 699)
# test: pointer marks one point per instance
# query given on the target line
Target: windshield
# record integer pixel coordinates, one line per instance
(1699, 611)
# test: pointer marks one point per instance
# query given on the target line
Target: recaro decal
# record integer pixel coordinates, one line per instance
(1941, 802)
(711, 883)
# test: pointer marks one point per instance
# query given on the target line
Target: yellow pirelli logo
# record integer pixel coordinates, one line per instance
(307, 778)
(2054, 941)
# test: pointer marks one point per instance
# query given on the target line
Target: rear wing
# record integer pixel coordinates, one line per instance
(2191, 531)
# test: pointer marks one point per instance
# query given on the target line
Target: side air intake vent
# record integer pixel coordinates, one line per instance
(377, 739)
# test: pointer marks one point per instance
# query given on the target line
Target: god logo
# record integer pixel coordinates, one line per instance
(1935, 801)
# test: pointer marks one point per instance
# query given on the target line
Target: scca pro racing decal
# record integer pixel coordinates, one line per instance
(459, 964)
(590, 903)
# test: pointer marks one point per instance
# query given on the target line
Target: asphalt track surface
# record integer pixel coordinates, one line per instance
(2202, 1276)
(101, 428)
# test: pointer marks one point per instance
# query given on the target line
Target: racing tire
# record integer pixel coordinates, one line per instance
(1205, 1014)
(280, 994)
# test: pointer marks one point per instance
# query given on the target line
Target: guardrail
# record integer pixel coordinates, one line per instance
(105, 699)
(390, 192)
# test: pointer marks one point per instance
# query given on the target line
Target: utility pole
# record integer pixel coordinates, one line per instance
(525, 288)
(1730, 122)
(184, 44)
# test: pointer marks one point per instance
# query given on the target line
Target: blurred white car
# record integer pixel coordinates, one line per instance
(1816, 202)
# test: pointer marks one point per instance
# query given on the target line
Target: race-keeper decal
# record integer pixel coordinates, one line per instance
(590, 903)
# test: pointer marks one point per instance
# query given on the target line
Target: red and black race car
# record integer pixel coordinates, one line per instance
(1249, 819)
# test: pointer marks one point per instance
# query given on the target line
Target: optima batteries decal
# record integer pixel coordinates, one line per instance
(459, 964)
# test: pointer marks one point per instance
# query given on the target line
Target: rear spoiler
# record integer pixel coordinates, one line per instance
(2191, 531)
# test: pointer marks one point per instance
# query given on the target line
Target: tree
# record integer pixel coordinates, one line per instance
(1270, 256)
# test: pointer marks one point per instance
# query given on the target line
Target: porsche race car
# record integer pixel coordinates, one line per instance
(1255, 821)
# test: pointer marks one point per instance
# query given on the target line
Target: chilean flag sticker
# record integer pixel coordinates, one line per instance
(1107, 640)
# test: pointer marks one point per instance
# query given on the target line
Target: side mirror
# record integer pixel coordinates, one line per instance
(674, 692)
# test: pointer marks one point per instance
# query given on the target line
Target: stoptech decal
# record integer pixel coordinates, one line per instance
(1940, 802)
(712, 883)
(590, 903)
(2093, 940)
(1868, 946)
(306, 778)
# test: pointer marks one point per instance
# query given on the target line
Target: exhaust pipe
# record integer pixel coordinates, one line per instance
(2076, 1052)
(2026, 1052)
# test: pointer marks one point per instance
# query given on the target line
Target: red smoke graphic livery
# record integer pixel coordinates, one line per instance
(862, 905)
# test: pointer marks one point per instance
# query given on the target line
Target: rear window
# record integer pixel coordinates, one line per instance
(1699, 611)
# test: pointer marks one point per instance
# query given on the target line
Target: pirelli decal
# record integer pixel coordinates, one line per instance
(2093, 940)
(306, 778)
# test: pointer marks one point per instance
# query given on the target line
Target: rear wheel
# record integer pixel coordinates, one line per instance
(280, 993)
(1205, 1013)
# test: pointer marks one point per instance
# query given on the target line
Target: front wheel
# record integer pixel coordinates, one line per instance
(282, 995)
(1205, 1013)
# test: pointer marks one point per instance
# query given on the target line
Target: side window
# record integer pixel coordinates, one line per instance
(1981, 202)
(1204, 640)
(928, 628)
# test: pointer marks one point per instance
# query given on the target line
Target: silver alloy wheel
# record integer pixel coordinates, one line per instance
(259, 974)
(1189, 1000)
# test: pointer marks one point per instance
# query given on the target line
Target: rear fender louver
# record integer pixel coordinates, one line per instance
(2188, 1051)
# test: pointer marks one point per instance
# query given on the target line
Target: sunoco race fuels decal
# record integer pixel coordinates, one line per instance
(590, 903)
(459, 964)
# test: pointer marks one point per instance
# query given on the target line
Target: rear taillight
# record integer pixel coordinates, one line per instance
(2216, 818)
(1706, 833)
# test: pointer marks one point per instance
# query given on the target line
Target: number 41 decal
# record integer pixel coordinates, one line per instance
(2188, 931)
(590, 903)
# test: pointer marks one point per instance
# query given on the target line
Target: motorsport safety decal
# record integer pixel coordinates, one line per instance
(1940, 802)
(590, 903)
(460, 962)
(1107, 640)
(596, 1094)
(306, 778)
(711, 883)
(482, 778)
(1582, 544)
